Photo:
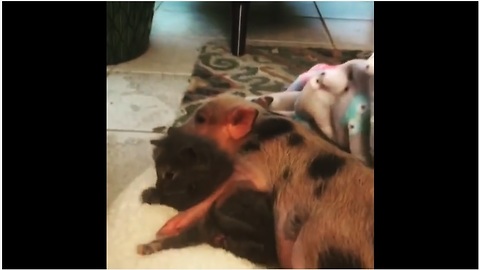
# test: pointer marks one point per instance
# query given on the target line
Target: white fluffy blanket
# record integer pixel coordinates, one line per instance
(131, 223)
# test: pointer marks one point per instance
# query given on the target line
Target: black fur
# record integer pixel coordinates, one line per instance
(150, 196)
(273, 127)
(189, 168)
(295, 139)
(334, 258)
(250, 146)
(324, 166)
(244, 222)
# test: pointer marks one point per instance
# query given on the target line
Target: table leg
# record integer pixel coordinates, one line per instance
(239, 27)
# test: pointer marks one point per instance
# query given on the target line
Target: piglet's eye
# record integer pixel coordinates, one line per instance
(168, 175)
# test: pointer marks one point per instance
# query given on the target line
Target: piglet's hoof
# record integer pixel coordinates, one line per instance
(144, 249)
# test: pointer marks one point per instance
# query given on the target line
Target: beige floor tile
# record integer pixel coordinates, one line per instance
(170, 55)
(141, 102)
(351, 34)
(189, 25)
(129, 154)
(294, 30)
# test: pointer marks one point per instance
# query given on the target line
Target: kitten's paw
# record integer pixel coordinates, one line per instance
(150, 196)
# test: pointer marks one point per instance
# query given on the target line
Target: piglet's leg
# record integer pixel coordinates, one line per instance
(190, 237)
(246, 175)
(192, 215)
(284, 242)
(298, 255)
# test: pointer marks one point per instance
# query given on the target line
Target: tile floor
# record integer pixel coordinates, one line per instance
(146, 92)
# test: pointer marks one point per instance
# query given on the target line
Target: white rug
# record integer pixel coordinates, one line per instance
(130, 223)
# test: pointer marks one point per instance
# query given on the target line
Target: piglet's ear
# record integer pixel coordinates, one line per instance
(240, 121)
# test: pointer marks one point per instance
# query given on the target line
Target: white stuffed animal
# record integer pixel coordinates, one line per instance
(322, 91)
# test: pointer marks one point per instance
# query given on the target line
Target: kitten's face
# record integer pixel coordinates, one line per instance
(189, 169)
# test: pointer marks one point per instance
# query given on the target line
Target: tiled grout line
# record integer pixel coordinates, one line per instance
(335, 50)
(157, 5)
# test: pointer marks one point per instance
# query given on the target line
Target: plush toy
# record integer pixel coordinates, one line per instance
(302, 79)
(357, 108)
(284, 107)
(351, 83)
(357, 120)
(337, 98)
(352, 112)
(319, 94)
(370, 71)
(370, 65)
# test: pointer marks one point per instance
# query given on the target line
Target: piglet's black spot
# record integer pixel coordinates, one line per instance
(324, 166)
(295, 139)
(250, 146)
(273, 127)
(286, 173)
(334, 258)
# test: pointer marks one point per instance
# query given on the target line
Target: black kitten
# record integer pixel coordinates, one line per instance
(189, 168)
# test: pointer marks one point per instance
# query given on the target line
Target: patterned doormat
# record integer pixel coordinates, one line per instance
(263, 70)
